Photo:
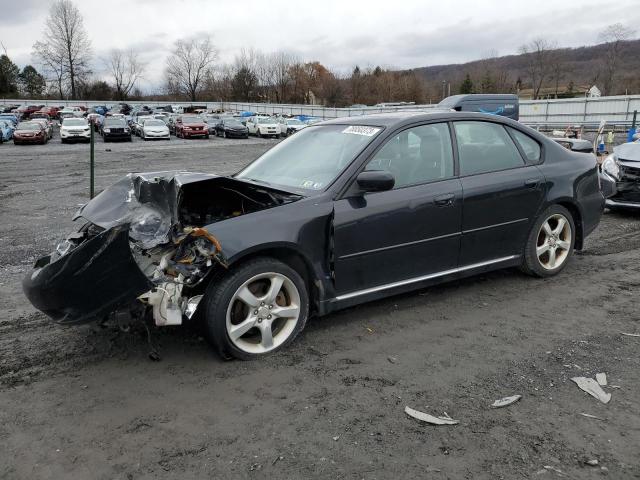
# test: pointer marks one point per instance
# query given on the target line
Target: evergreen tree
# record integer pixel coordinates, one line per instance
(9, 73)
(33, 84)
(467, 85)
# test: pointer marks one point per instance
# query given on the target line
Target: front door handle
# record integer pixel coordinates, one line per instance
(444, 200)
(532, 182)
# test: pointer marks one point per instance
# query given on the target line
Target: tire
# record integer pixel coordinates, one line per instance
(206, 136)
(223, 308)
(548, 249)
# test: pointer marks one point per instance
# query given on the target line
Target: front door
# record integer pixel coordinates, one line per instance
(409, 231)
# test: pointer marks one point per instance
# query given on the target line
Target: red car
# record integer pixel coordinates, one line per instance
(30, 132)
(26, 110)
(51, 111)
(191, 126)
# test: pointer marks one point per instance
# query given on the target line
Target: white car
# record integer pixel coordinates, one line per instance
(289, 126)
(75, 112)
(264, 127)
(153, 128)
(75, 129)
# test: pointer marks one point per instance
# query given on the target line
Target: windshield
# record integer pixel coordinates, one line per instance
(312, 158)
(294, 122)
(74, 122)
(154, 123)
(29, 126)
(191, 120)
(266, 121)
(232, 123)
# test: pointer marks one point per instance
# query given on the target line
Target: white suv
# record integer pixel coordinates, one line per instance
(264, 127)
(75, 129)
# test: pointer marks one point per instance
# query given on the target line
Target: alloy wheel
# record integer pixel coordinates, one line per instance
(554, 242)
(263, 313)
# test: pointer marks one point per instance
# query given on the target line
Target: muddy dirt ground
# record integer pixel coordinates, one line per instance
(86, 402)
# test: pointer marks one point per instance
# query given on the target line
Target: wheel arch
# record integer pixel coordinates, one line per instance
(290, 255)
(574, 210)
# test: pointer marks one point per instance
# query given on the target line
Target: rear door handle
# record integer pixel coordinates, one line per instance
(532, 182)
(444, 200)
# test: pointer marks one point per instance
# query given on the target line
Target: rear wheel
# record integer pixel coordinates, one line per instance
(255, 310)
(550, 242)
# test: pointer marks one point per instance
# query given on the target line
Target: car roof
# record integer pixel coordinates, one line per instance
(398, 119)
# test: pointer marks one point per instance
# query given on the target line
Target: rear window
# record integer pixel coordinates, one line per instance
(529, 146)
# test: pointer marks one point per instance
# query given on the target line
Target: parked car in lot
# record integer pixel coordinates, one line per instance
(263, 127)
(46, 124)
(51, 112)
(189, 126)
(6, 130)
(137, 120)
(289, 126)
(70, 112)
(154, 129)
(229, 127)
(30, 132)
(575, 144)
(74, 130)
(623, 167)
(12, 117)
(25, 111)
(115, 128)
(343, 212)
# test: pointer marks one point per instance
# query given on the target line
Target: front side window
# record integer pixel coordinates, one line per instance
(485, 147)
(416, 155)
(312, 158)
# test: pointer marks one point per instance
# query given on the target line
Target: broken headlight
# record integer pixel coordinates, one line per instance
(610, 167)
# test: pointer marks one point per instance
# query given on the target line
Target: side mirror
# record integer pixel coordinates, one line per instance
(375, 181)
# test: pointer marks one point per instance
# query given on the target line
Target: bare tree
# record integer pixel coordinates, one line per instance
(614, 36)
(189, 65)
(281, 65)
(125, 69)
(65, 48)
(538, 55)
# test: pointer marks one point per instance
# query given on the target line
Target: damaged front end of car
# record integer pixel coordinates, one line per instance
(143, 246)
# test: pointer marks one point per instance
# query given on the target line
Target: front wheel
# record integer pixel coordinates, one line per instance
(550, 242)
(255, 310)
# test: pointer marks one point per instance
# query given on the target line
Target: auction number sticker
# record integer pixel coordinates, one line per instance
(361, 130)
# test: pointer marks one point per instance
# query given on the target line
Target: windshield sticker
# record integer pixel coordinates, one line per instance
(311, 185)
(361, 130)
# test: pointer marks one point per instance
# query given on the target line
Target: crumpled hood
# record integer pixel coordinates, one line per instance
(628, 151)
(146, 201)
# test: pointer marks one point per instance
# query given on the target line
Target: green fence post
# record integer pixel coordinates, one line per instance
(91, 165)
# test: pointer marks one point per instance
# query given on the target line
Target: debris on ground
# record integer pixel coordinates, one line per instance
(601, 378)
(593, 462)
(392, 359)
(630, 334)
(503, 402)
(425, 417)
(592, 387)
(336, 438)
(588, 415)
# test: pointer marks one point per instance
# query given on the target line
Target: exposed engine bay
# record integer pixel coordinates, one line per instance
(162, 218)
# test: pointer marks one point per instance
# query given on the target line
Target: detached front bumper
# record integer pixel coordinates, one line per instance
(90, 281)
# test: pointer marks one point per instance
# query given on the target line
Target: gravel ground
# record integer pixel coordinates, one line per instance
(86, 402)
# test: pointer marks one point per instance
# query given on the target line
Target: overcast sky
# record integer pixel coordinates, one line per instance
(338, 33)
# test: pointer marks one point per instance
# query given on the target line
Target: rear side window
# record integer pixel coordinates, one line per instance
(485, 147)
(529, 146)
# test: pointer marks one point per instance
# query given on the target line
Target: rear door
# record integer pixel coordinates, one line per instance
(501, 192)
(407, 232)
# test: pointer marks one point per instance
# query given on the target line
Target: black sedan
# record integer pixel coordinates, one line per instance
(343, 212)
(231, 128)
(115, 128)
